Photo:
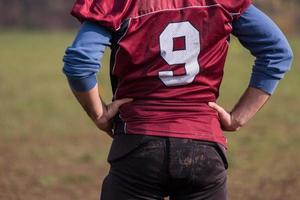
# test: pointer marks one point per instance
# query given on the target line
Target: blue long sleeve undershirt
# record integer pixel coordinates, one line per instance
(82, 58)
(262, 37)
(256, 32)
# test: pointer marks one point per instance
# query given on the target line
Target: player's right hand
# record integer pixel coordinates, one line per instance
(104, 122)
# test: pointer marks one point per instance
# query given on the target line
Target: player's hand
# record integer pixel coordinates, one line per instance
(104, 122)
(227, 120)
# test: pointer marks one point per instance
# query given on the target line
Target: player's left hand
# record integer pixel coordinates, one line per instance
(227, 120)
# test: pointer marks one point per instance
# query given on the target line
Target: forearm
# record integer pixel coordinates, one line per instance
(91, 102)
(250, 102)
(248, 105)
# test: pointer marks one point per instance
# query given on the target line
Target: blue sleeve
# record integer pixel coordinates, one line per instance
(261, 36)
(82, 58)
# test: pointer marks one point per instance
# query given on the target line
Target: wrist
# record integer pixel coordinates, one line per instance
(95, 116)
(238, 121)
(95, 113)
(100, 111)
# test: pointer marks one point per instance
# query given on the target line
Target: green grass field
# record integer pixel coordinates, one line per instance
(49, 149)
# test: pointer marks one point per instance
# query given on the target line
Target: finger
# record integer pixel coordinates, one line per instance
(113, 108)
(115, 105)
(120, 102)
(216, 107)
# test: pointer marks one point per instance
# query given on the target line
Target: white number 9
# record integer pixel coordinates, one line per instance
(187, 56)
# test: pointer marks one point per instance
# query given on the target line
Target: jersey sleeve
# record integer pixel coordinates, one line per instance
(236, 7)
(109, 14)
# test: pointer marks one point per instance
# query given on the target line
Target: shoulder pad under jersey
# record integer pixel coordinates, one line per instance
(108, 13)
(235, 7)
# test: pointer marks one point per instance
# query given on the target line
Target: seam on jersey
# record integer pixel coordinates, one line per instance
(234, 14)
(117, 52)
(230, 25)
(125, 124)
(125, 127)
(176, 9)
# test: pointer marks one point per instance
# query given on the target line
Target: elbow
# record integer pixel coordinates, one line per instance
(289, 57)
(286, 59)
(68, 61)
(80, 70)
(282, 62)
(78, 64)
(68, 67)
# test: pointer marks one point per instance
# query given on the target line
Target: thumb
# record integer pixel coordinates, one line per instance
(225, 117)
(216, 107)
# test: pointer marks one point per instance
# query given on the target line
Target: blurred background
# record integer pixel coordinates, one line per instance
(49, 149)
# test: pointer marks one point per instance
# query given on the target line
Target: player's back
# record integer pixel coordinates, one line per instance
(169, 57)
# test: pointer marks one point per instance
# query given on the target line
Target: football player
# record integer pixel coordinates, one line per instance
(167, 63)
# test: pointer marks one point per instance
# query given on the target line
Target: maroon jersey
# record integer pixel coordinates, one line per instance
(168, 56)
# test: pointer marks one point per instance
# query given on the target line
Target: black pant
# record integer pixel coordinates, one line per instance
(151, 168)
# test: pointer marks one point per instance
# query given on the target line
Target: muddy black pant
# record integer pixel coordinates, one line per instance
(151, 168)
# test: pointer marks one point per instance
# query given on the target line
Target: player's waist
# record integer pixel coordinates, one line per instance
(201, 127)
(153, 110)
